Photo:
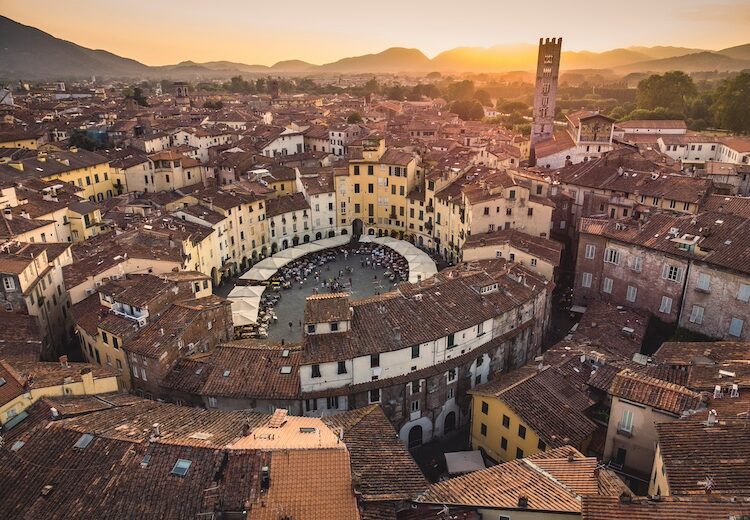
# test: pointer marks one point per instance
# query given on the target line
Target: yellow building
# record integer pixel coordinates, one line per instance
(27, 382)
(89, 171)
(372, 198)
(28, 140)
(528, 411)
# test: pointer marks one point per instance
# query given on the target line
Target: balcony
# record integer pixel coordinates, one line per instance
(626, 430)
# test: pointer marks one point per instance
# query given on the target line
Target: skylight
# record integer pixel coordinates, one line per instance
(227, 372)
(286, 369)
(83, 441)
(181, 467)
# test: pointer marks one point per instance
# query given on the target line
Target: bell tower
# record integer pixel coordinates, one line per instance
(547, 71)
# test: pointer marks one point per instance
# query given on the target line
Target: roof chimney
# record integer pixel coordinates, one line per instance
(712, 417)
(64, 361)
(523, 502)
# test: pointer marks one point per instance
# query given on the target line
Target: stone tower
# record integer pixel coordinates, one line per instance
(181, 95)
(547, 70)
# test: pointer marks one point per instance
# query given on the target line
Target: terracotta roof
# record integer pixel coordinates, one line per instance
(552, 482)
(382, 468)
(692, 451)
(653, 392)
(327, 308)
(547, 403)
(664, 124)
(663, 508)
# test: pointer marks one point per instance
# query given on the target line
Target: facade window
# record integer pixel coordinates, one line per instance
(519, 453)
(586, 279)
(631, 294)
(506, 421)
(485, 407)
(374, 360)
(316, 370)
(612, 256)
(311, 405)
(332, 403)
(342, 367)
(743, 294)
(374, 395)
(666, 305)
(696, 314)
(735, 327)
(626, 423)
(415, 406)
(503, 444)
(212, 402)
(452, 374)
(311, 329)
(607, 285)
(636, 264)
(415, 352)
(451, 340)
(590, 251)
(483, 429)
(672, 273)
(522, 431)
(704, 282)
(541, 445)
(334, 327)
(9, 283)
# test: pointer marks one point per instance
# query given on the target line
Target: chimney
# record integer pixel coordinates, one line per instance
(8, 213)
(161, 331)
(64, 361)
(55, 414)
(265, 478)
(523, 502)
(156, 431)
(87, 377)
(712, 417)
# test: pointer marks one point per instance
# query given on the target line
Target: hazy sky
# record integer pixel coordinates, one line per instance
(158, 32)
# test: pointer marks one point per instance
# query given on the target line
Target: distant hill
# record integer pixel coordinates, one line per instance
(696, 62)
(29, 53)
(395, 59)
(741, 52)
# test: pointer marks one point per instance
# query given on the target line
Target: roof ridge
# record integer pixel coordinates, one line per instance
(551, 477)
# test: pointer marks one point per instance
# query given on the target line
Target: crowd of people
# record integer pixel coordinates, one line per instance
(316, 269)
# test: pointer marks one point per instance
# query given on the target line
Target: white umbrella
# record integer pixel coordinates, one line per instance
(310, 247)
(292, 253)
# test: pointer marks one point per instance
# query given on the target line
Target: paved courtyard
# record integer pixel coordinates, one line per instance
(366, 281)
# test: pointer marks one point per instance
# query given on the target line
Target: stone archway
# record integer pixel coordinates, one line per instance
(306, 239)
(450, 422)
(284, 243)
(331, 234)
(415, 436)
(318, 235)
(357, 227)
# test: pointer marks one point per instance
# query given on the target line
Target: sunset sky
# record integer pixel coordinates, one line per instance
(158, 32)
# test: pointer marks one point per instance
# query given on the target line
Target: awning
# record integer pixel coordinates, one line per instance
(459, 462)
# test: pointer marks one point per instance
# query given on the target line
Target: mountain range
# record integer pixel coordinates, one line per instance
(28, 53)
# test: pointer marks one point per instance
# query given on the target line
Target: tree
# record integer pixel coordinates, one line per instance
(508, 107)
(670, 91)
(354, 118)
(618, 113)
(434, 75)
(213, 105)
(460, 90)
(732, 106)
(81, 139)
(396, 93)
(483, 97)
(137, 95)
(467, 109)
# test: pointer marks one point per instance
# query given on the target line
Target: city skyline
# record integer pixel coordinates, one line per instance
(232, 30)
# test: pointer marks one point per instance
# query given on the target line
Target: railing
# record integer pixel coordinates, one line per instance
(625, 430)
